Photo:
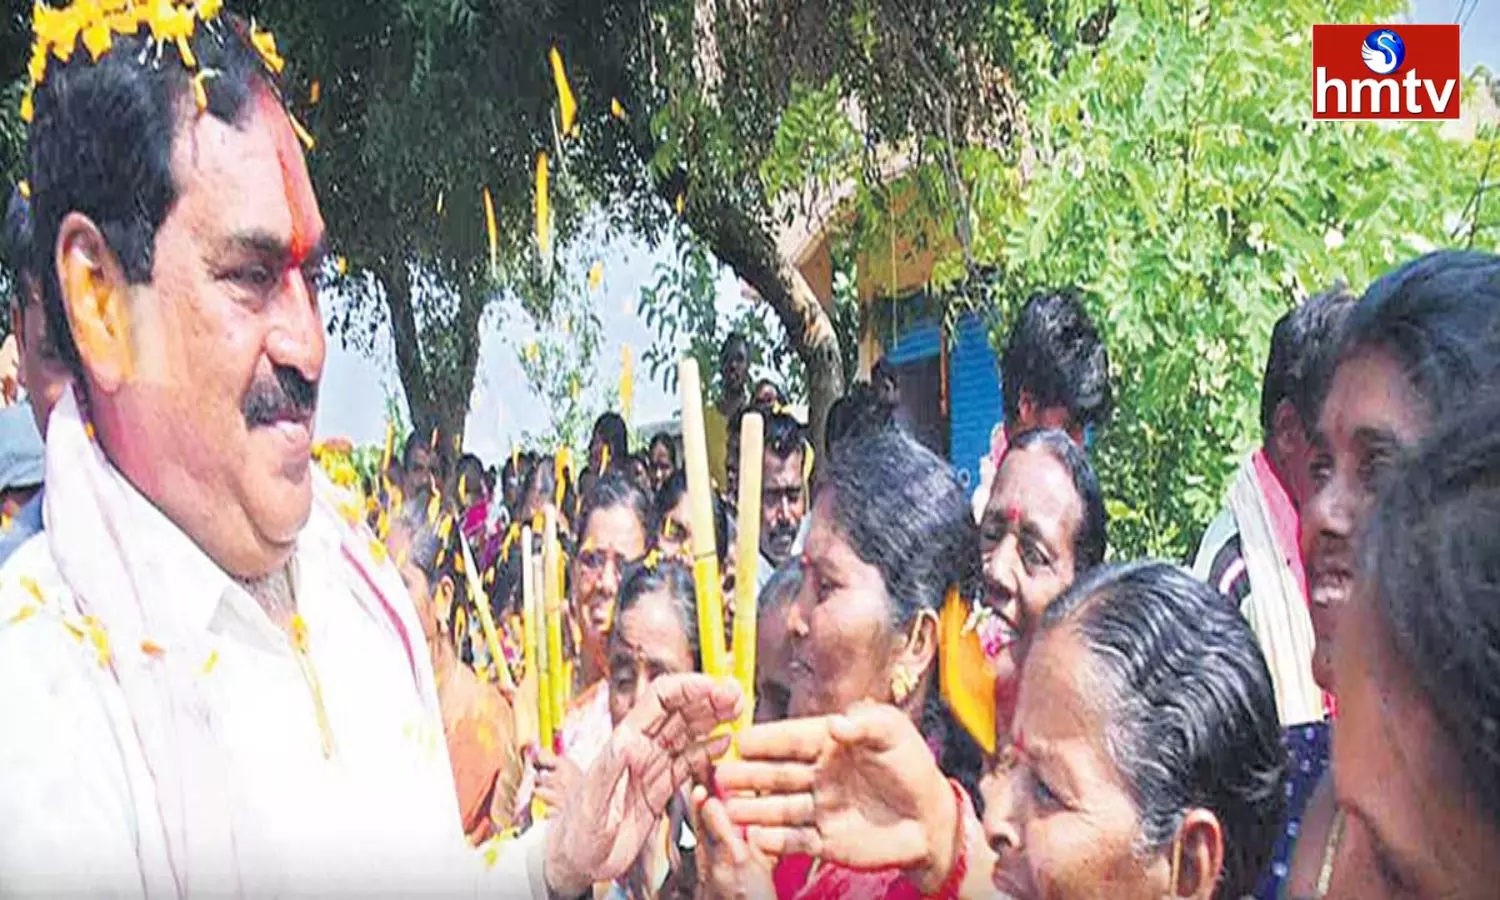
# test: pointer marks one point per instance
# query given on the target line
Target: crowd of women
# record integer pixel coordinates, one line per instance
(1136, 750)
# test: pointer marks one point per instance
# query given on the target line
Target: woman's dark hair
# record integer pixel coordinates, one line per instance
(101, 144)
(1437, 316)
(672, 576)
(903, 511)
(435, 553)
(671, 493)
(610, 429)
(1092, 539)
(1432, 555)
(662, 439)
(1192, 714)
(469, 480)
(613, 490)
(541, 481)
(428, 550)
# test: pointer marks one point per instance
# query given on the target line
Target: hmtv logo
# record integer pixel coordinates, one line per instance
(1385, 72)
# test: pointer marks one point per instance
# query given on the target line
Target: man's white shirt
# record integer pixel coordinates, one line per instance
(159, 735)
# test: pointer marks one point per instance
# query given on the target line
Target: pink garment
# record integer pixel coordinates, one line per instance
(1285, 519)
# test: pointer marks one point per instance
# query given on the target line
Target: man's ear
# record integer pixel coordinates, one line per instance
(96, 297)
(1026, 413)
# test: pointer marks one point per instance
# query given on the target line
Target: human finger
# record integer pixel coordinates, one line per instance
(755, 776)
(781, 841)
(792, 740)
(790, 810)
(686, 707)
(873, 726)
(721, 830)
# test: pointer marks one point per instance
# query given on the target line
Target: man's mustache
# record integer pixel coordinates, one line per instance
(286, 396)
(783, 531)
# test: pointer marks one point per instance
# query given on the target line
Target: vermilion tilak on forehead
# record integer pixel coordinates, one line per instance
(1013, 514)
(307, 225)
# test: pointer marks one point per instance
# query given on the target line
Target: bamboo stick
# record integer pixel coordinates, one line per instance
(533, 642)
(747, 565)
(486, 619)
(709, 589)
(552, 610)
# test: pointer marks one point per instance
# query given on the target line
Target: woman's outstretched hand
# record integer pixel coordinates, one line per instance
(862, 790)
(729, 868)
(658, 748)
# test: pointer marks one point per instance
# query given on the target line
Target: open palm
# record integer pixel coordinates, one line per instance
(848, 789)
(657, 748)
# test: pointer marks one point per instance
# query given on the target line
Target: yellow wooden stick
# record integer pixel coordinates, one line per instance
(552, 610)
(486, 619)
(747, 565)
(710, 590)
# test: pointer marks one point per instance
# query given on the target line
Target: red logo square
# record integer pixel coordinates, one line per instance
(1391, 72)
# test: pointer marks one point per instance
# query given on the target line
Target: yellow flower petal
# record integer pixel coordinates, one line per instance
(29, 585)
(315, 93)
(208, 664)
(596, 276)
(265, 44)
(98, 638)
(377, 550)
(28, 109)
(200, 92)
(23, 614)
(97, 39)
(490, 230)
(299, 633)
(302, 133)
(24, 187)
(615, 109)
(567, 105)
(186, 52)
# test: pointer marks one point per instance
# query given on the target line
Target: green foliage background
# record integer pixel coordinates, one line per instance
(1176, 176)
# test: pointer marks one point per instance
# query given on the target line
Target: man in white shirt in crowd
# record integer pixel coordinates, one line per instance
(214, 681)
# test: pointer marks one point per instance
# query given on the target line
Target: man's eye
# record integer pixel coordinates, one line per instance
(255, 277)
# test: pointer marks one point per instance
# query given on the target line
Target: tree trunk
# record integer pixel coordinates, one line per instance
(748, 248)
(395, 277)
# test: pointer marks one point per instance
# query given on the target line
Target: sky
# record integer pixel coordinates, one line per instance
(354, 390)
(355, 387)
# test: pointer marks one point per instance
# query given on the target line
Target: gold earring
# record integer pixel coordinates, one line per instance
(903, 682)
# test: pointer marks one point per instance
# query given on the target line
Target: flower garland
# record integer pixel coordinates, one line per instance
(57, 32)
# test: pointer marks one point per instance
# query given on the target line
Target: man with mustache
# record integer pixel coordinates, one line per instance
(783, 492)
(215, 682)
